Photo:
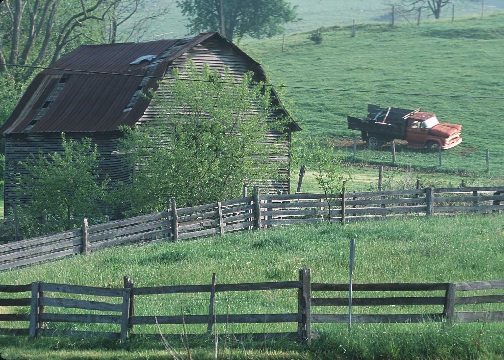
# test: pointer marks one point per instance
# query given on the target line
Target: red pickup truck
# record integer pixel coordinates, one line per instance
(417, 127)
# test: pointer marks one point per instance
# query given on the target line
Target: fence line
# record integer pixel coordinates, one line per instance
(251, 212)
(50, 303)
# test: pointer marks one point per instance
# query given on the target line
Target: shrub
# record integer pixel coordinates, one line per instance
(316, 37)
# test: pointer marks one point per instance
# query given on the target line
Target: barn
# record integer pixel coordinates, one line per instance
(95, 89)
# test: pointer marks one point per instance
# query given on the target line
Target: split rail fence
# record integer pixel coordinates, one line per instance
(45, 308)
(252, 212)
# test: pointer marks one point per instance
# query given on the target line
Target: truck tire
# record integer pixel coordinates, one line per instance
(432, 146)
(374, 142)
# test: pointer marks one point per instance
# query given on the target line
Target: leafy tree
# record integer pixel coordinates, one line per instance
(61, 188)
(210, 140)
(237, 18)
(9, 92)
(318, 155)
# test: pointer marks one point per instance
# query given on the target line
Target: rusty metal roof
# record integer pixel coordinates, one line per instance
(91, 88)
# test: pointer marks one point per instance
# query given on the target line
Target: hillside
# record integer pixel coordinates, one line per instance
(450, 68)
(322, 13)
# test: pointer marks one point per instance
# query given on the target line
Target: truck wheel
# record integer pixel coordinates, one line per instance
(374, 142)
(432, 146)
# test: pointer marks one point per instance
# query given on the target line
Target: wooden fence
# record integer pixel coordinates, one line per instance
(252, 212)
(45, 303)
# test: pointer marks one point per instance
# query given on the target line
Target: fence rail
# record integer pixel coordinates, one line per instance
(257, 211)
(40, 303)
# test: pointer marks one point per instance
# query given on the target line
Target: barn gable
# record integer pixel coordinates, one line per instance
(95, 89)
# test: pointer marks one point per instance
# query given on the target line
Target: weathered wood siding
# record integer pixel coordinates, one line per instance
(217, 56)
(19, 148)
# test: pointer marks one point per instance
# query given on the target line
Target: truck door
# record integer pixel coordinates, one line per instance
(415, 134)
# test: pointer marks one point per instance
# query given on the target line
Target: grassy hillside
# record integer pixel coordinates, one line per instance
(451, 69)
(404, 250)
(321, 13)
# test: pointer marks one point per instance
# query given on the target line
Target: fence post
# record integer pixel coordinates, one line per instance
(34, 310)
(343, 205)
(380, 178)
(221, 220)
(393, 150)
(41, 309)
(487, 158)
(354, 146)
(449, 307)
(126, 293)
(173, 206)
(497, 202)
(16, 223)
(257, 208)
(475, 202)
(211, 307)
(84, 237)
(300, 180)
(429, 201)
(128, 284)
(304, 306)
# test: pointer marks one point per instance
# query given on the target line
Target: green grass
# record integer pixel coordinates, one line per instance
(417, 249)
(452, 69)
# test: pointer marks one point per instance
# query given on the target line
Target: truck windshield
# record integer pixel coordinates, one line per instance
(430, 122)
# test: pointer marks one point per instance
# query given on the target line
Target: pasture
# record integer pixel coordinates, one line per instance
(461, 248)
(451, 69)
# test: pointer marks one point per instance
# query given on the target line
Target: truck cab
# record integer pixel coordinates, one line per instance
(424, 128)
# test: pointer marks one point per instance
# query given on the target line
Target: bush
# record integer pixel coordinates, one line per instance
(316, 37)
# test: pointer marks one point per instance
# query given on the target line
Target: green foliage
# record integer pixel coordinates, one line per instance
(320, 157)
(10, 91)
(316, 37)
(61, 188)
(2, 168)
(211, 143)
(257, 18)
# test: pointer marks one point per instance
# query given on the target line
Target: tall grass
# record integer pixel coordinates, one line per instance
(416, 249)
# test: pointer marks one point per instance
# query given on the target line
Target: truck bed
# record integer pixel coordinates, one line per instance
(387, 131)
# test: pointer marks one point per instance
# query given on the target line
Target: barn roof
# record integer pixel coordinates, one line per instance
(97, 88)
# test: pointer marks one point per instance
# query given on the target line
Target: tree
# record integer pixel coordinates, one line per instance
(9, 89)
(209, 142)
(435, 6)
(237, 18)
(36, 33)
(61, 188)
(318, 155)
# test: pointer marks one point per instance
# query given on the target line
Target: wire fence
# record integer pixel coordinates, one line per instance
(328, 13)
